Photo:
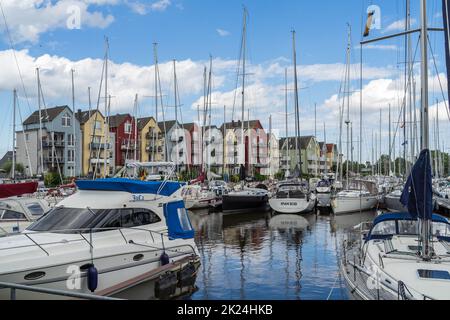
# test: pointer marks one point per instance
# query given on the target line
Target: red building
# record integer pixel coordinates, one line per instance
(123, 125)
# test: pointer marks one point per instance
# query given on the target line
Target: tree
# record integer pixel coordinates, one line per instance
(19, 167)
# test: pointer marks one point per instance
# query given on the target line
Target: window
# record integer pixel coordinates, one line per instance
(13, 215)
(71, 140)
(127, 127)
(384, 228)
(60, 218)
(27, 137)
(70, 155)
(35, 209)
(96, 125)
(66, 120)
(184, 219)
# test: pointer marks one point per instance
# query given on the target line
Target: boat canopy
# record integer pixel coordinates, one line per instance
(165, 188)
(389, 224)
(177, 220)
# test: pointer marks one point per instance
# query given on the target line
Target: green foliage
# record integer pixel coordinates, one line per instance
(279, 175)
(235, 178)
(52, 180)
(260, 177)
(8, 166)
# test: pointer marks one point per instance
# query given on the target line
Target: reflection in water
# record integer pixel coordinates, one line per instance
(266, 256)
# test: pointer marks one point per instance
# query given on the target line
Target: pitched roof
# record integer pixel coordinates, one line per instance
(6, 158)
(84, 116)
(47, 115)
(169, 124)
(331, 147)
(189, 126)
(118, 119)
(303, 142)
(142, 122)
(254, 124)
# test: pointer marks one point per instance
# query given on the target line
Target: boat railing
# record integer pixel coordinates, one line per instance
(401, 289)
(14, 287)
(89, 231)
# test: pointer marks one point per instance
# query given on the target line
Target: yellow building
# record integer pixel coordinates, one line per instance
(96, 144)
(150, 139)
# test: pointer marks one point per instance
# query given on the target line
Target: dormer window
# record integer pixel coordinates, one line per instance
(127, 127)
(66, 120)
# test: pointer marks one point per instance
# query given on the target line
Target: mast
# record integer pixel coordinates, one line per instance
(426, 252)
(298, 152)
(390, 142)
(244, 43)
(288, 162)
(326, 148)
(347, 86)
(135, 126)
(381, 152)
(40, 124)
(73, 124)
(410, 83)
(176, 110)
(315, 130)
(13, 169)
(153, 151)
(107, 103)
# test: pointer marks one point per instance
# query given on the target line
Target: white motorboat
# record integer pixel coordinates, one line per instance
(323, 193)
(17, 213)
(196, 197)
(114, 237)
(360, 196)
(292, 197)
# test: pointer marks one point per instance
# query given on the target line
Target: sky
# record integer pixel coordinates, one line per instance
(58, 36)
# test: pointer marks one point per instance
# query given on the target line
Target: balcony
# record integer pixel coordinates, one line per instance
(50, 144)
(151, 135)
(99, 146)
(127, 145)
(100, 161)
(153, 149)
(53, 160)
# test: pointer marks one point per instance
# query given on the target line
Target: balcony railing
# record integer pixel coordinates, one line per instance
(53, 160)
(50, 144)
(97, 146)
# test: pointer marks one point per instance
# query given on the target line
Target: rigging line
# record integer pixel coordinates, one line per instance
(241, 55)
(15, 57)
(439, 79)
(27, 153)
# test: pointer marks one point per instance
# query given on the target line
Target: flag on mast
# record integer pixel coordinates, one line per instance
(369, 23)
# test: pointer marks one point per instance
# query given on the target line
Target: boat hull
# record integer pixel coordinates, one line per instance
(393, 204)
(353, 204)
(292, 206)
(238, 203)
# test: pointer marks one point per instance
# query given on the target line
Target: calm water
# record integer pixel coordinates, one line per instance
(267, 256)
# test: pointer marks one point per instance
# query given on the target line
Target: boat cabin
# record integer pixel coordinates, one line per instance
(389, 225)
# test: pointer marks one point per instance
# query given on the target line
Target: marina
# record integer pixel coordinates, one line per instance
(177, 185)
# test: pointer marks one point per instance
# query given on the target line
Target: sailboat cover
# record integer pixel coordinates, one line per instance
(446, 16)
(164, 188)
(418, 192)
(17, 189)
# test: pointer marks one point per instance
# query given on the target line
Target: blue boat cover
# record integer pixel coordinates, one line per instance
(131, 186)
(418, 192)
(405, 216)
(177, 221)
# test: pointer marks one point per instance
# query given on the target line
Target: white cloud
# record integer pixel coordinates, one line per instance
(222, 32)
(28, 19)
(380, 47)
(143, 8)
(398, 25)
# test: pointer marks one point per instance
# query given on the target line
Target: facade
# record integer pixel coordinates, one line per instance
(324, 167)
(126, 145)
(273, 155)
(309, 155)
(151, 140)
(178, 142)
(213, 155)
(97, 144)
(332, 155)
(55, 148)
(193, 144)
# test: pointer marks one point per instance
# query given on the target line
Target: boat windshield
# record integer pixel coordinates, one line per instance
(407, 227)
(74, 220)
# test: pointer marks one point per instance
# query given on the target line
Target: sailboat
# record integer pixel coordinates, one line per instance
(358, 195)
(405, 255)
(294, 196)
(246, 199)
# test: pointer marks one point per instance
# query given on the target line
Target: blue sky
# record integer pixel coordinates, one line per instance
(189, 31)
